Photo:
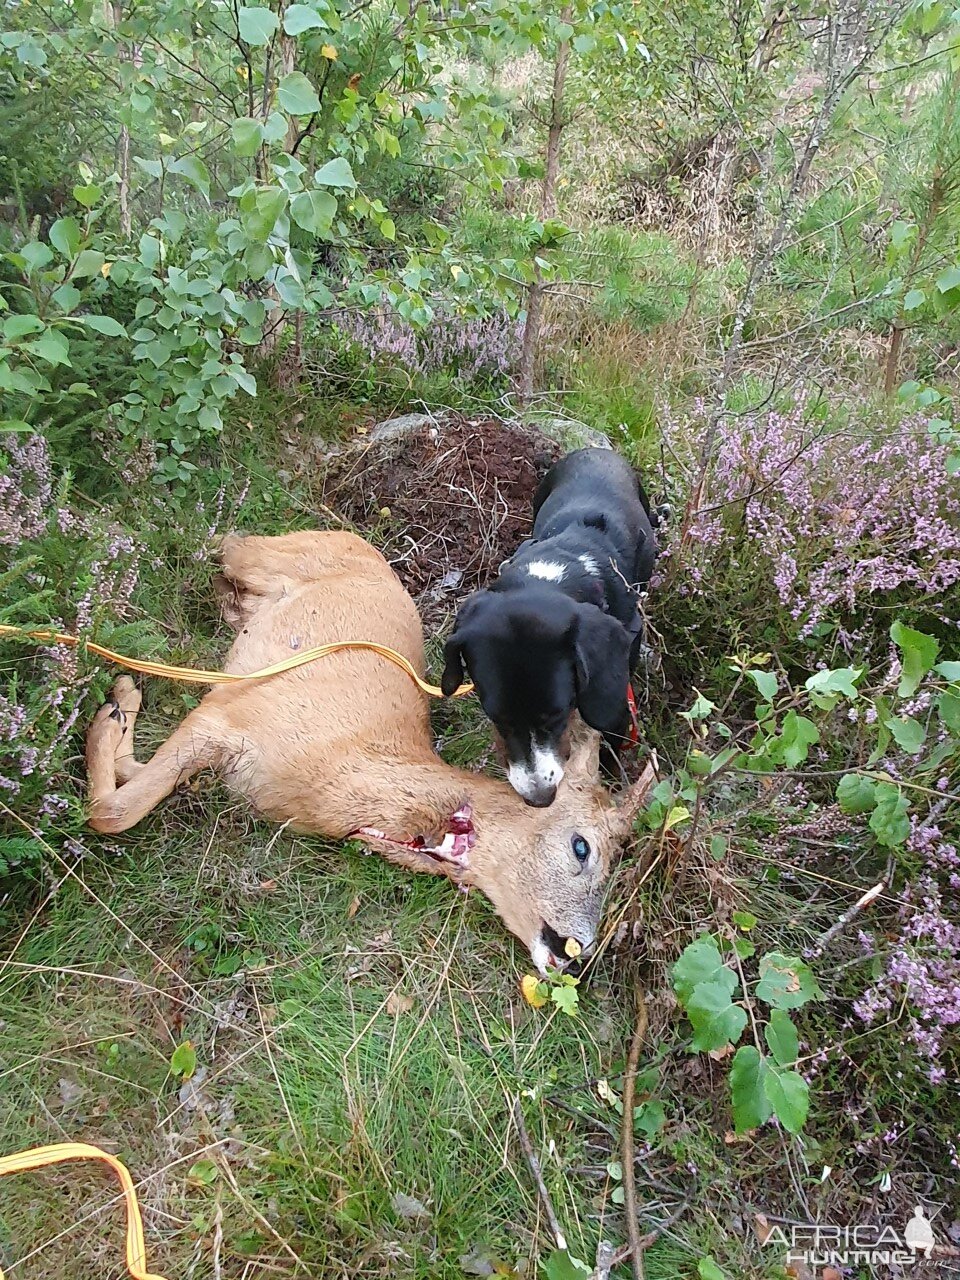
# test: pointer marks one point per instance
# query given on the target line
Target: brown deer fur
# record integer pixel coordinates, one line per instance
(344, 742)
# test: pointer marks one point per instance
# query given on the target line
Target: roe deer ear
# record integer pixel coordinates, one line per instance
(228, 597)
(620, 820)
(584, 762)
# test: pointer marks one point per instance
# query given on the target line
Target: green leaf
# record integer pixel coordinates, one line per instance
(268, 206)
(889, 821)
(243, 379)
(36, 255)
(16, 426)
(914, 299)
(335, 173)
(88, 195)
(949, 279)
(195, 171)
(257, 24)
(584, 43)
(297, 95)
(67, 297)
(204, 1172)
(314, 211)
(562, 1266)
(748, 1076)
(949, 670)
(909, 734)
(718, 847)
(701, 962)
(275, 127)
(247, 136)
(796, 738)
(766, 683)
(786, 982)
(918, 653)
(707, 1269)
(789, 1096)
(566, 1000)
(701, 708)
(299, 18)
(841, 680)
(65, 236)
(184, 1060)
(948, 709)
(649, 1118)
(105, 325)
(856, 794)
(901, 233)
(88, 263)
(51, 346)
(18, 326)
(388, 229)
(782, 1039)
(153, 168)
(715, 1019)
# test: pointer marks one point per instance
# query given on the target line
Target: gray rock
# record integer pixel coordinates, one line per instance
(572, 434)
(396, 428)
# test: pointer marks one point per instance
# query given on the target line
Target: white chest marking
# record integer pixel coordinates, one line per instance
(590, 565)
(549, 570)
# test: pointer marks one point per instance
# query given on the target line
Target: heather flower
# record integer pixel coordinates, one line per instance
(472, 349)
(46, 697)
(842, 519)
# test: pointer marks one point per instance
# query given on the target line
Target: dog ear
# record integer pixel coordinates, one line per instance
(452, 677)
(453, 664)
(601, 647)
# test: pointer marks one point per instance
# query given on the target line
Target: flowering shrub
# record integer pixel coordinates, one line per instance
(479, 349)
(830, 523)
(72, 572)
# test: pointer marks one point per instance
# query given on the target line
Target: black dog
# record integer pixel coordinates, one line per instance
(560, 628)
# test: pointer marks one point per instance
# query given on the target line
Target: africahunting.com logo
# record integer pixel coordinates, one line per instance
(826, 1245)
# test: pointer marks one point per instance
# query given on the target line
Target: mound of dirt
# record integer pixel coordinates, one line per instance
(447, 501)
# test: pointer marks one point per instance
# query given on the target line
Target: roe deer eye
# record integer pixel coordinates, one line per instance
(581, 849)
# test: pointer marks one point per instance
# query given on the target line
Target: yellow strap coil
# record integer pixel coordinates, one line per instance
(39, 1157)
(191, 675)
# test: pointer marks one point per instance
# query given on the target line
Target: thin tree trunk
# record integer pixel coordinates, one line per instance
(278, 317)
(556, 124)
(938, 195)
(114, 14)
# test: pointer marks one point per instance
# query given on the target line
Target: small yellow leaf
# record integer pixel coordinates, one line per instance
(572, 948)
(329, 52)
(532, 991)
(105, 269)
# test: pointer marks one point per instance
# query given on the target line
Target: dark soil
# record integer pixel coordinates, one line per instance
(448, 502)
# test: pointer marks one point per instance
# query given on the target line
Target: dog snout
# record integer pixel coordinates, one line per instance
(536, 780)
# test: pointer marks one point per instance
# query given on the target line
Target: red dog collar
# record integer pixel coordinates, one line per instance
(634, 738)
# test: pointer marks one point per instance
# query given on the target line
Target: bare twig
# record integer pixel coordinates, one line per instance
(626, 1136)
(861, 903)
(536, 1173)
(646, 1241)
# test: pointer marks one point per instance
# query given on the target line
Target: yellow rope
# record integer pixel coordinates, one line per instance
(191, 675)
(38, 1157)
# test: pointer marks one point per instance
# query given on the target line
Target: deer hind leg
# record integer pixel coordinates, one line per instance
(121, 790)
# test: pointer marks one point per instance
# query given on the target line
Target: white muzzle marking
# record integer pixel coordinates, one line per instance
(545, 771)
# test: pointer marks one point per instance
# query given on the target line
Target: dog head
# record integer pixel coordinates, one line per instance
(535, 656)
